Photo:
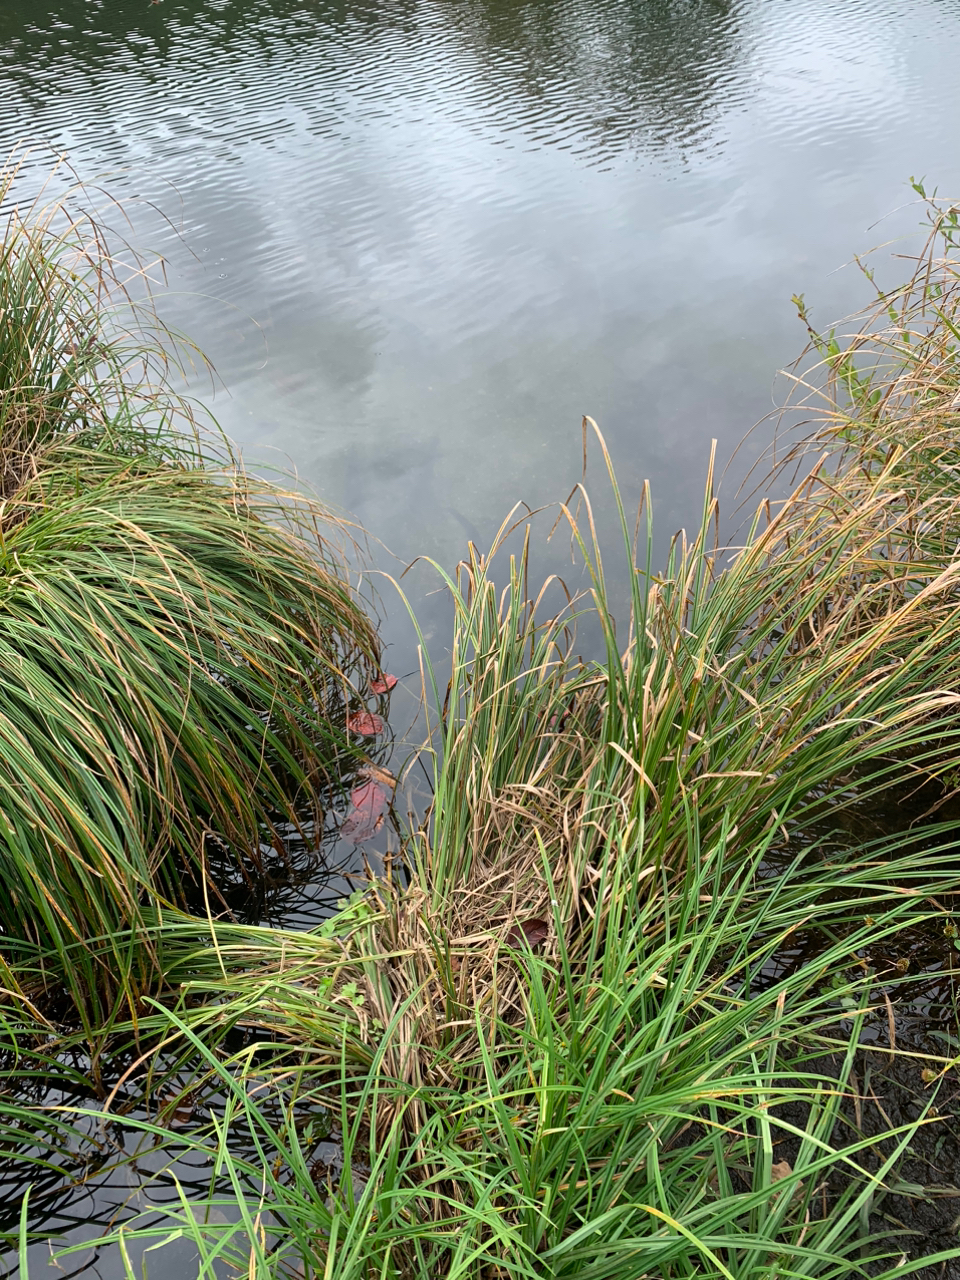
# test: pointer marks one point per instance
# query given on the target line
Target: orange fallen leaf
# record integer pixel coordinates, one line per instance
(369, 802)
(535, 931)
(178, 1110)
(364, 723)
(383, 683)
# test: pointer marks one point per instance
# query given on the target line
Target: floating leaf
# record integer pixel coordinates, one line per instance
(383, 683)
(178, 1110)
(369, 802)
(365, 723)
(535, 931)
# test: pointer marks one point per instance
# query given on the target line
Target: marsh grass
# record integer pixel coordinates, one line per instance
(652, 1110)
(179, 640)
(555, 1036)
(175, 672)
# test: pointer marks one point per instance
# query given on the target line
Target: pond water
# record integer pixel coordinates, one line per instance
(420, 238)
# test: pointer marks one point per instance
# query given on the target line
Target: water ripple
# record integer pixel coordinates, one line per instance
(413, 225)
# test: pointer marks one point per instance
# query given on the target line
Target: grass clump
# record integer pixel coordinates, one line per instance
(649, 1107)
(177, 639)
(172, 676)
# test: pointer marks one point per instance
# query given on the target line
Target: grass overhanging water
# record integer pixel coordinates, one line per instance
(553, 1036)
(179, 643)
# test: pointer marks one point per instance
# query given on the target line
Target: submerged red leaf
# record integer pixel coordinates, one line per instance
(383, 683)
(535, 931)
(365, 723)
(369, 802)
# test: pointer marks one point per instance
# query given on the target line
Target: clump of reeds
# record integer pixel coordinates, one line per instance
(177, 638)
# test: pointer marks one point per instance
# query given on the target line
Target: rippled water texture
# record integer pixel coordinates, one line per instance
(420, 239)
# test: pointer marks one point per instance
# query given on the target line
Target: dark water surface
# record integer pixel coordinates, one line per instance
(420, 238)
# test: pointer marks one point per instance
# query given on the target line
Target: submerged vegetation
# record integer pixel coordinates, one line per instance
(565, 1031)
